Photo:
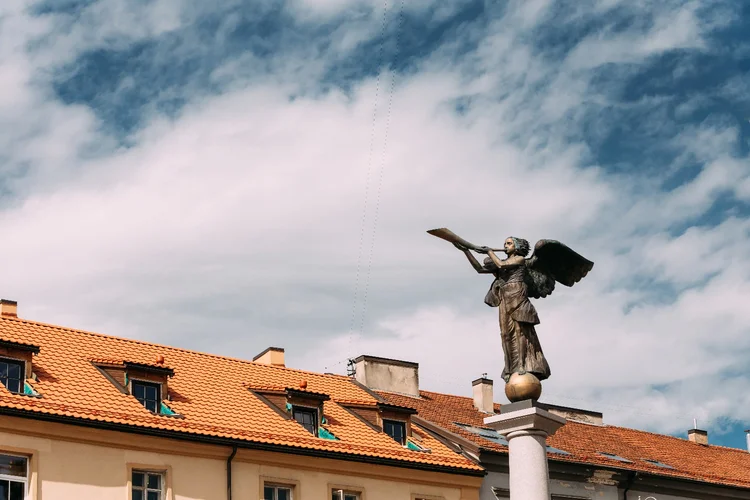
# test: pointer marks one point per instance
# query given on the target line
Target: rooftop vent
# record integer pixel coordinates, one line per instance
(273, 356)
(8, 308)
(390, 375)
(698, 436)
(575, 414)
(483, 394)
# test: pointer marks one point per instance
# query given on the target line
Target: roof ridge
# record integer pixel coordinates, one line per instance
(172, 348)
(444, 394)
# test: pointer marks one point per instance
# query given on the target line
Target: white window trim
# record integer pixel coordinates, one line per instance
(292, 484)
(16, 479)
(346, 489)
(289, 487)
(164, 470)
(24, 367)
(406, 429)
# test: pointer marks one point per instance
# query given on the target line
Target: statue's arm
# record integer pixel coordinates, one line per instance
(475, 264)
(514, 261)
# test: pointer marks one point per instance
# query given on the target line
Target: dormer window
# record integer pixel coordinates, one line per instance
(16, 366)
(301, 405)
(148, 394)
(307, 418)
(146, 382)
(396, 429)
(12, 375)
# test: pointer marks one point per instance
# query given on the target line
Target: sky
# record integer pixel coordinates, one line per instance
(239, 175)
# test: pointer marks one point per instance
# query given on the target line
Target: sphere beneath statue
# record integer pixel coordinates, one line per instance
(521, 387)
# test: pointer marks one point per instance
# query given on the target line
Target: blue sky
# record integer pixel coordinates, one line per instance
(231, 177)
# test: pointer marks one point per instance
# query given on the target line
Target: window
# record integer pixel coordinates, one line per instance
(395, 429)
(489, 434)
(272, 492)
(308, 418)
(12, 375)
(13, 477)
(344, 495)
(658, 464)
(148, 485)
(148, 393)
(612, 456)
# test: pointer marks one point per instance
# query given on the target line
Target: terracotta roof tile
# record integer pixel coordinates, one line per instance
(584, 442)
(217, 405)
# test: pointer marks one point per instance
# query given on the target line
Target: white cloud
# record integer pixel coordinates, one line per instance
(238, 225)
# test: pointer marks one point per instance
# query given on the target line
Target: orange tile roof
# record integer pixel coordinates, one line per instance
(210, 392)
(691, 461)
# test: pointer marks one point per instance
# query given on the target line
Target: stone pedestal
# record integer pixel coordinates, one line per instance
(526, 427)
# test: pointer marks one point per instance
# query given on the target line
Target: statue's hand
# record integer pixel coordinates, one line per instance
(460, 247)
(482, 250)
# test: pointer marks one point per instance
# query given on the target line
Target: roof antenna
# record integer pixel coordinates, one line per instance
(351, 369)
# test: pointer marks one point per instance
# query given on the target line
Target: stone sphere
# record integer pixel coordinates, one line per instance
(521, 387)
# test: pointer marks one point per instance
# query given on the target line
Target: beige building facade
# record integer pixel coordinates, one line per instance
(64, 462)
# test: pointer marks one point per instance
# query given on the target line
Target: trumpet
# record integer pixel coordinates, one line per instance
(448, 235)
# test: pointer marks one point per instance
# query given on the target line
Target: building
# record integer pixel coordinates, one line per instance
(84, 415)
(587, 459)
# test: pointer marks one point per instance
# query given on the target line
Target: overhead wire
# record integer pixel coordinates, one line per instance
(368, 177)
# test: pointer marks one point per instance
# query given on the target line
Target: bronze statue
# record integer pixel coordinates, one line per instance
(518, 278)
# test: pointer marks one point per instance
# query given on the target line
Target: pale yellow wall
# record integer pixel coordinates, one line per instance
(95, 465)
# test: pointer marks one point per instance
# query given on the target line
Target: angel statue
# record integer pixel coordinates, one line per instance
(517, 279)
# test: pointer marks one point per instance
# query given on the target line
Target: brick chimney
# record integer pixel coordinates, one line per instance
(698, 436)
(483, 395)
(273, 356)
(8, 308)
(390, 375)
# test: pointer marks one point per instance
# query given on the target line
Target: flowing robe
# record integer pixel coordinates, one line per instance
(521, 347)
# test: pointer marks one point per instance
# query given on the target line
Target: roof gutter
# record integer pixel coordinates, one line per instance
(229, 472)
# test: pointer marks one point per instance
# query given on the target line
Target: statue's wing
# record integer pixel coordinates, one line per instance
(559, 262)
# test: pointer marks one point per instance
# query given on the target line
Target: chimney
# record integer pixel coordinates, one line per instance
(576, 414)
(273, 356)
(698, 436)
(8, 308)
(483, 396)
(389, 375)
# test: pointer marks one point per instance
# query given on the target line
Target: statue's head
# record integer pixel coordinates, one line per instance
(516, 246)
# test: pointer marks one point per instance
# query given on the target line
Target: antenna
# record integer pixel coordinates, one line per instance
(351, 369)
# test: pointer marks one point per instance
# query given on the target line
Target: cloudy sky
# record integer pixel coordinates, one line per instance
(231, 176)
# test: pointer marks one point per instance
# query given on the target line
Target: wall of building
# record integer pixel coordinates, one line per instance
(70, 462)
(568, 490)
(576, 490)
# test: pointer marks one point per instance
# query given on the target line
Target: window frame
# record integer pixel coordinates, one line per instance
(26, 480)
(307, 409)
(15, 361)
(283, 482)
(164, 470)
(401, 423)
(346, 489)
(278, 486)
(159, 387)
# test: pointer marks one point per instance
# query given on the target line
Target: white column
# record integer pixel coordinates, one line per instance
(526, 427)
